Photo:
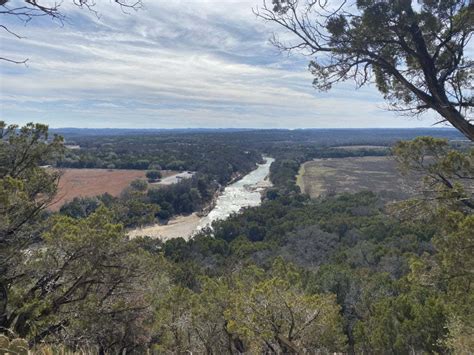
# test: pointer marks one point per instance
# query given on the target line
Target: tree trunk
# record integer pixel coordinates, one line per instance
(3, 304)
(436, 88)
(458, 121)
(287, 346)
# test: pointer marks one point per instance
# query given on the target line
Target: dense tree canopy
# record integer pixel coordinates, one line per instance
(414, 53)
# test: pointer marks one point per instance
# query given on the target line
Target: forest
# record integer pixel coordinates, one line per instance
(342, 273)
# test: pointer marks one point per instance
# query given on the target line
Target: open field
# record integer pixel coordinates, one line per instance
(94, 182)
(378, 174)
(362, 147)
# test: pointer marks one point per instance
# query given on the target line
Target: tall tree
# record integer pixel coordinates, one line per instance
(414, 53)
(26, 189)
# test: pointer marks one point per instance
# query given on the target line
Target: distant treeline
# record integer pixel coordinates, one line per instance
(220, 160)
(369, 135)
(193, 150)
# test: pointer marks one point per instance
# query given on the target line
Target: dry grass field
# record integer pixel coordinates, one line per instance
(375, 148)
(378, 174)
(94, 182)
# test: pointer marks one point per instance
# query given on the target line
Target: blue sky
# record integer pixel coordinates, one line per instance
(173, 64)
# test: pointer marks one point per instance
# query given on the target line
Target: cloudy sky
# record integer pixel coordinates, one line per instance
(174, 63)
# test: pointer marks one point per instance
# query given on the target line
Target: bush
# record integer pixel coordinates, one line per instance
(139, 185)
(153, 175)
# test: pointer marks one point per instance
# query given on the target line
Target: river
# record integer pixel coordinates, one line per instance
(245, 192)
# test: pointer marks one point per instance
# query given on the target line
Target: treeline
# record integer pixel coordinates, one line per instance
(319, 137)
(283, 174)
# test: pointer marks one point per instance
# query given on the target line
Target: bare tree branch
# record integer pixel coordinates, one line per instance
(38, 8)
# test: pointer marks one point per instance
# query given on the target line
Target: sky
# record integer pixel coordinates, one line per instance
(172, 64)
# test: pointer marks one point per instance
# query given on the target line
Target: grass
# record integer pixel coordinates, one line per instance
(379, 174)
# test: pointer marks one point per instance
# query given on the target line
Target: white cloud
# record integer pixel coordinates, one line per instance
(173, 64)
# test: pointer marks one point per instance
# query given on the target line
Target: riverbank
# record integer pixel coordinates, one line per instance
(245, 192)
(177, 227)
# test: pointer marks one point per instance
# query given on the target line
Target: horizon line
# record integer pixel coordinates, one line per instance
(248, 128)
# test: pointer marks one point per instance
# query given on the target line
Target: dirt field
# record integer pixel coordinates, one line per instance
(379, 174)
(93, 182)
